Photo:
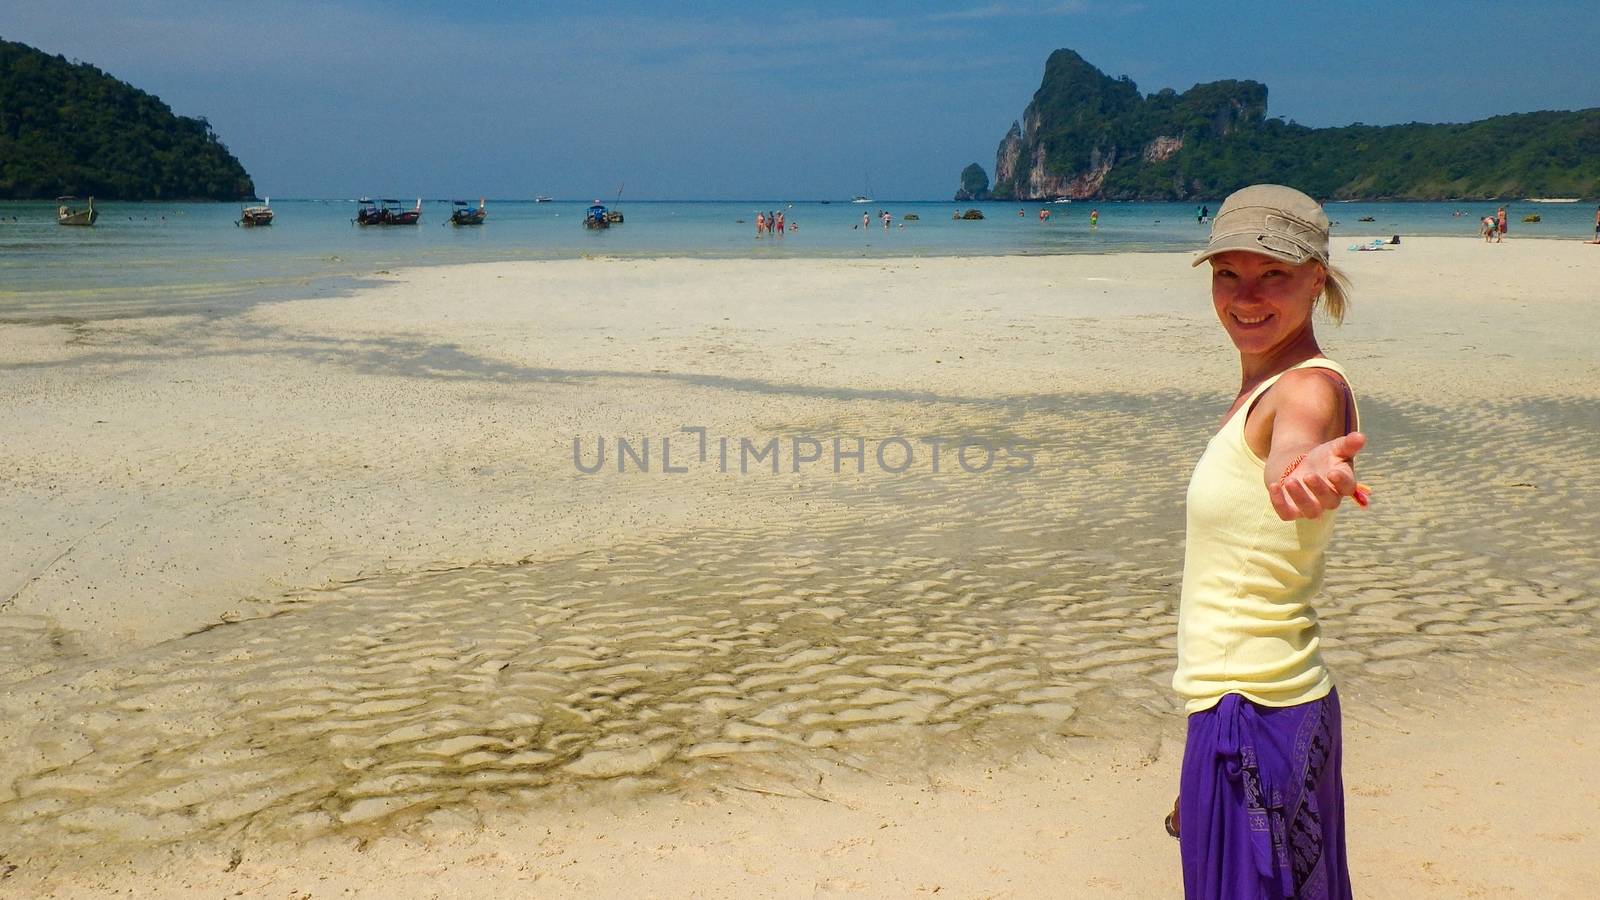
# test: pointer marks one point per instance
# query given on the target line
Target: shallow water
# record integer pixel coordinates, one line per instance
(162, 258)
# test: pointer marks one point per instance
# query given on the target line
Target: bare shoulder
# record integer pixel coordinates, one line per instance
(1307, 404)
(1311, 383)
(1314, 398)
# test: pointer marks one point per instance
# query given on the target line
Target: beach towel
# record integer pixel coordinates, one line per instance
(1261, 802)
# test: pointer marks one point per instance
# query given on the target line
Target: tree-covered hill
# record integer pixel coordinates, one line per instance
(69, 128)
(1087, 135)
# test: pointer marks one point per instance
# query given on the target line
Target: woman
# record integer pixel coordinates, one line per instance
(1260, 811)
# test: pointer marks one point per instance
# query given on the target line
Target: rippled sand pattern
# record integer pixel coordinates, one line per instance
(887, 615)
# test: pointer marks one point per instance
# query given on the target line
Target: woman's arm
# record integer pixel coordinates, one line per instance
(1311, 464)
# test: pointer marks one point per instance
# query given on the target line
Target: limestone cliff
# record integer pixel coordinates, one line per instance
(1082, 125)
(1006, 158)
(974, 184)
(1086, 135)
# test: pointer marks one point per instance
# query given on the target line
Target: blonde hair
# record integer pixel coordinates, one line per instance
(1335, 296)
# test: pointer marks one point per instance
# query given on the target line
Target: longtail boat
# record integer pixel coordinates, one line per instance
(369, 213)
(68, 215)
(251, 216)
(404, 216)
(466, 215)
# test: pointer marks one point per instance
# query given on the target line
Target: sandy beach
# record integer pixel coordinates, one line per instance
(312, 598)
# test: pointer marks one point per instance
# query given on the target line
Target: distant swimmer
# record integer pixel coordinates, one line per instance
(1202, 214)
(1094, 218)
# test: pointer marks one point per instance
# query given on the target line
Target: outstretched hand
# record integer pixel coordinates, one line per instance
(1320, 480)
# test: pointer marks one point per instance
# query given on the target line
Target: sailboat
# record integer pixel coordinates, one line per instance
(864, 198)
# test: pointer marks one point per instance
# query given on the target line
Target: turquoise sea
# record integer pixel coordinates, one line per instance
(160, 258)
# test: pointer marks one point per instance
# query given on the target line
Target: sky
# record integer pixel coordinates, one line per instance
(723, 100)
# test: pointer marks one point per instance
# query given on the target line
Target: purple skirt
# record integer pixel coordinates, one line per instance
(1261, 802)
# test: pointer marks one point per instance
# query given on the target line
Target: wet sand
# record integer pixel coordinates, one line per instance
(325, 571)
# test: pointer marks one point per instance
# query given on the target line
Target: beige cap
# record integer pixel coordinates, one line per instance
(1271, 220)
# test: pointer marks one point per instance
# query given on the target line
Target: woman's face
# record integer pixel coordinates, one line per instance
(1262, 302)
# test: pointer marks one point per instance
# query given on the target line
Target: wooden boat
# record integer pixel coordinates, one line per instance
(466, 215)
(596, 217)
(251, 216)
(69, 215)
(370, 213)
(403, 216)
(614, 216)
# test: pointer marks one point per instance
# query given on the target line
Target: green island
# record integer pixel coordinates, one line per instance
(69, 128)
(1086, 135)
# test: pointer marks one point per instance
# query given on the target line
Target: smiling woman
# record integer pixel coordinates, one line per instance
(1260, 807)
(1261, 300)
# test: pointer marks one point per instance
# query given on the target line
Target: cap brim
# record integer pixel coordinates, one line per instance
(1249, 242)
